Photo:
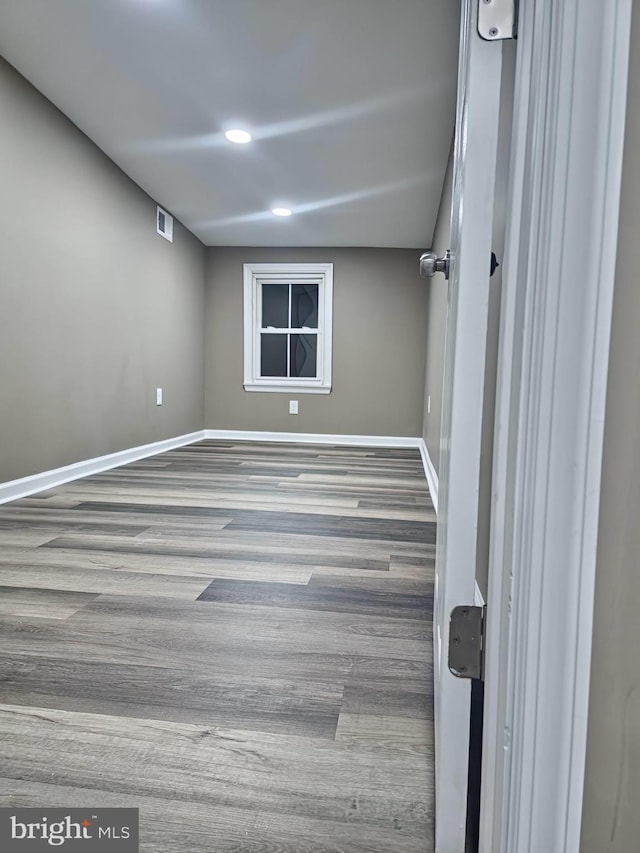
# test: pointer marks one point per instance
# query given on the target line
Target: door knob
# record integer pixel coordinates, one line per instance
(430, 264)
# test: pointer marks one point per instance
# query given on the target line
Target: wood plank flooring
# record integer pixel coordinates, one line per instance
(234, 638)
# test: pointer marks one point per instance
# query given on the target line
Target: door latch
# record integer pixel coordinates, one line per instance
(466, 642)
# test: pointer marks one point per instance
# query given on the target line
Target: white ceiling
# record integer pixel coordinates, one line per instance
(351, 104)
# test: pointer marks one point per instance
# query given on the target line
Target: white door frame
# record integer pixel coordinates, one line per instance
(557, 285)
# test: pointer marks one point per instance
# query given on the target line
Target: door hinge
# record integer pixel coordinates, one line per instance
(466, 641)
(496, 19)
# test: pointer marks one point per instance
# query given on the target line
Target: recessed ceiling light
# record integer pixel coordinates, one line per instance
(281, 211)
(241, 137)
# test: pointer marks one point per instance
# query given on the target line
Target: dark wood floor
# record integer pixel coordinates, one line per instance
(234, 638)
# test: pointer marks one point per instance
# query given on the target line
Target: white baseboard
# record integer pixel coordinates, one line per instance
(22, 488)
(15, 489)
(430, 473)
(313, 438)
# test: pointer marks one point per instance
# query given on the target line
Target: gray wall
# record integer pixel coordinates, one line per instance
(96, 309)
(380, 316)
(611, 816)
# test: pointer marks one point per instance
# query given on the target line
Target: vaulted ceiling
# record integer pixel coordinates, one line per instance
(350, 104)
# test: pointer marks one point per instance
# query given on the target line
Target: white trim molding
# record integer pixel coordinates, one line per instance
(25, 486)
(557, 293)
(22, 488)
(313, 438)
(430, 473)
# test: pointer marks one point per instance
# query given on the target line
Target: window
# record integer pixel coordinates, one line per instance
(287, 327)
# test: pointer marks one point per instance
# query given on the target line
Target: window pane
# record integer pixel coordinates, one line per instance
(273, 355)
(304, 355)
(304, 306)
(275, 307)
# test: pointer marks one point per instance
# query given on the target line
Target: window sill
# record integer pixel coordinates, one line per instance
(289, 388)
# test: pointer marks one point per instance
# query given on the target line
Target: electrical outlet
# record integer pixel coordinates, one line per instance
(293, 407)
(158, 396)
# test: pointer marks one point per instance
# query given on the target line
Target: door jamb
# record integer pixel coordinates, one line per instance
(558, 279)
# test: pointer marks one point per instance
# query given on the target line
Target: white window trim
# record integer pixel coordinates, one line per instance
(252, 275)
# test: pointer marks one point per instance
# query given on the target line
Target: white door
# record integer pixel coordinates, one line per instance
(474, 173)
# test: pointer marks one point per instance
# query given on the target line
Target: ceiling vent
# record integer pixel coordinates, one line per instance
(164, 224)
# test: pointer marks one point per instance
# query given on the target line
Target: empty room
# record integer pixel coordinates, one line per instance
(217, 540)
(319, 423)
